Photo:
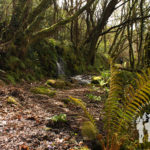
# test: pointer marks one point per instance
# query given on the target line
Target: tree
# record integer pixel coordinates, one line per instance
(92, 39)
(23, 28)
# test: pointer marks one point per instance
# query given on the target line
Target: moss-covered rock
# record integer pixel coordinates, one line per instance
(58, 83)
(51, 82)
(12, 100)
(43, 90)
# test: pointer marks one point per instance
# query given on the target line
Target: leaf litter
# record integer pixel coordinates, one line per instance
(27, 127)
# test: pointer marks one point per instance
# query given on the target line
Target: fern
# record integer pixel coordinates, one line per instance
(121, 115)
(80, 103)
(113, 104)
(89, 128)
(121, 108)
(137, 99)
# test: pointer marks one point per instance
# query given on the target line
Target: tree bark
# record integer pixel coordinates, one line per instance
(91, 41)
(23, 27)
(48, 31)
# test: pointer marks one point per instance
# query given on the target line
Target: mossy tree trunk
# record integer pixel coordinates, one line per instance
(89, 45)
(21, 25)
(147, 50)
(23, 28)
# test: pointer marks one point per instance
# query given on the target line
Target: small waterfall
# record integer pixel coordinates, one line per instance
(60, 68)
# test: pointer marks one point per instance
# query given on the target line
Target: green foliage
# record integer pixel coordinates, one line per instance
(94, 88)
(44, 56)
(89, 130)
(120, 115)
(59, 118)
(101, 62)
(103, 79)
(14, 62)
(10, 79)
(128, 77)
(40, 60)
(54, 42)
(112, 106)
(43, 90)
(84, 148)
(105, 74)
(58, 83)
(93, 97)
(136, 99)
(121, 108)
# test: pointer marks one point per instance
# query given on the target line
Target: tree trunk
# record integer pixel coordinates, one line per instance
(22, 29)
(91, 41)
(147, 50)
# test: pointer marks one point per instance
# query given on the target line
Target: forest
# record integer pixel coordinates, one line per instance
(74, 74)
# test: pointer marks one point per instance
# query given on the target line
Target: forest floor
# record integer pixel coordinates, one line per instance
(25, 126)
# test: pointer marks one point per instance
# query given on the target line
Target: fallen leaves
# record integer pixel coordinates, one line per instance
(23, 147)
(24, 128)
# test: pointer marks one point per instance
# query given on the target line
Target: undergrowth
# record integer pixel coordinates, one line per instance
(121, 109)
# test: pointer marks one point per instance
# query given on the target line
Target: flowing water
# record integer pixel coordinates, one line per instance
(83, 79)
(60, 68)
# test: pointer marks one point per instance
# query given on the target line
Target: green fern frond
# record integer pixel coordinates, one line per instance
(136, 99)
(89, 128)
(78, 102)
(140, 97)
(113, 109)
(82, 105)
(118, 116)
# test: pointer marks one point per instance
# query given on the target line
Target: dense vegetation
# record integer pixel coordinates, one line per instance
(110, 38)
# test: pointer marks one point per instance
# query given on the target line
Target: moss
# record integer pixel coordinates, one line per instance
(12, 100)
(58, 83)
(44, 55)
(43, 90)
(51, 82)
(11, 79)
(54, 42)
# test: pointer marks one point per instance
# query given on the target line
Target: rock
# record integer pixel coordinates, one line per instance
(81, 79)
(58, 83)
(51, 82)
(43, 90)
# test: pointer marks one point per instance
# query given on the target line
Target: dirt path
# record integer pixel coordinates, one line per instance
(27, 126)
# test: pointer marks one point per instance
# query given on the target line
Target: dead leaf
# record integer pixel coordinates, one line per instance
(23, 147)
